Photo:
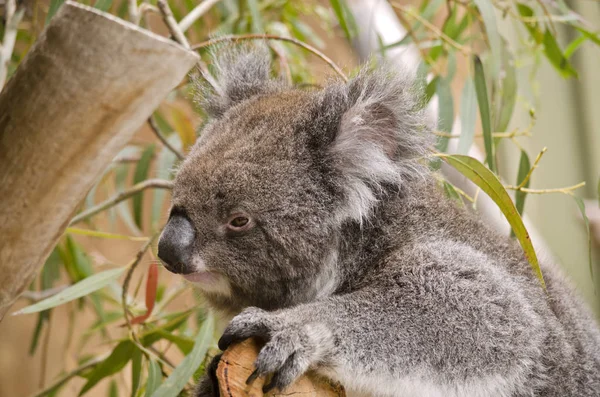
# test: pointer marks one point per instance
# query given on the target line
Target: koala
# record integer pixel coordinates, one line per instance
(310, 218)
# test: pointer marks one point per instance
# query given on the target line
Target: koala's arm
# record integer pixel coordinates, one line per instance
(426, 325)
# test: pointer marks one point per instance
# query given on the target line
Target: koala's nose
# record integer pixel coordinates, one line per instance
(175, 245)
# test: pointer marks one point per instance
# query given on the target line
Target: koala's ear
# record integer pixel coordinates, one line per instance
(241, 72)
(381, 136)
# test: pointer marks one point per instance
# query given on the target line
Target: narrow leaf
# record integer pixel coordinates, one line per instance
(489, 183)
(82, 288)
(136, 371)
(99, 234)
(103, 5)
(257, 24)
(556, 57)
(581, 206)
(141, 174)
(509, 90)
(154, 378)
(574, 45)
(524, 167)
(344, 17)
(54, 6)
(446, 112)
(183, 127)
(486, 9)
(468, 116)
(453, 194)
(484, 113)
(113, 390)
(184, 371)
(119, 357)
(151, 286)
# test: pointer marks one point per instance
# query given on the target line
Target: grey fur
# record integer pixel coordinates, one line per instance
(357, 266)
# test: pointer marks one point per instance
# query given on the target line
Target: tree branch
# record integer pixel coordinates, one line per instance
(162, 139)
(196, 14)
(124, 195)
(256, 36)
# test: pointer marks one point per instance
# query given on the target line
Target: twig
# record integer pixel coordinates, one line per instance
(466, 51)
(36, 296)
(12, 17)
(256, 36)
(44, 356)
(124, 195)
(196, 14)
(134, 13)
(535, 164)
(162, 139)
(511, 134)
(91, 363)
(566, 190)
(134, 263)
(171, 23)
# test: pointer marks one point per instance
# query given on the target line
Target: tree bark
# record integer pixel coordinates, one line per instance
(76, 99)
(236, 365)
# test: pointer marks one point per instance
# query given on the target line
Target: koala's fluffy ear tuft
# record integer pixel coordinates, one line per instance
(242, 72)
(382, 136)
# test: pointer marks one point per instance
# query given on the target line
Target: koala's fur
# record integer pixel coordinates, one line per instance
(358, 266)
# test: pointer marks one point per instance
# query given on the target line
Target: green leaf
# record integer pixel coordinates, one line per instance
(140, 175)
(524, 167)
(574, 45)
(508, 91)
(484, 113)
(257, 24)
(431, 88)
(113, 391)
(121, 173)
(556, 57)
(103, 5)
(184, 344)
(446, 112)
(532, 27)
(136, 371)
(468, 116)
(184, 371)
(486, 9)
(590, 35)
(344, 17)
(164, 170)
(119, 357)
(453, 194)
(54, 6)
(489, 183)
(82, 288)
(154, 377)
(581, 207)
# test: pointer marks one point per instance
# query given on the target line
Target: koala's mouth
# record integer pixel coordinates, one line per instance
(204, 277)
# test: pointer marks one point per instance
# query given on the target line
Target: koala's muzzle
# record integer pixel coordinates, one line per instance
(175, 245)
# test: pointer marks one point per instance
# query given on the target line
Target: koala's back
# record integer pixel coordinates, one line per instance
(553, 331)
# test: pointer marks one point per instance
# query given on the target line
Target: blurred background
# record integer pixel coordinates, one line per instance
(541, 62)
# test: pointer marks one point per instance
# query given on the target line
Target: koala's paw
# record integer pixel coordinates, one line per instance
(292, 346)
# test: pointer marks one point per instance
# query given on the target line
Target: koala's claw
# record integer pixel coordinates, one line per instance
(290, 350)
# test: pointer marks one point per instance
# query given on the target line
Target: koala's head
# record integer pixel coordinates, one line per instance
(260, 201)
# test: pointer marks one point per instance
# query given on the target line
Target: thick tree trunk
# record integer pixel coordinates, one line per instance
(85, 87)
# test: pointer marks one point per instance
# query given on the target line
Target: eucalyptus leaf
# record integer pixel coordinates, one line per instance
(141, 174)
(581, 206)
(154, 378)
(344, 17)
(468, 116)
(118, 358)
(524, 167)
(484, 113)
(489, 183)
(486, 9)
(446, 112)
(188, 366)
(82, 288)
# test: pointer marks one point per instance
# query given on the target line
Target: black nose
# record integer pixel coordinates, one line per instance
(175, 245)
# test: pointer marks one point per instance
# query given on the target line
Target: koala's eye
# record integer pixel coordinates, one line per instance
(239, 222)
